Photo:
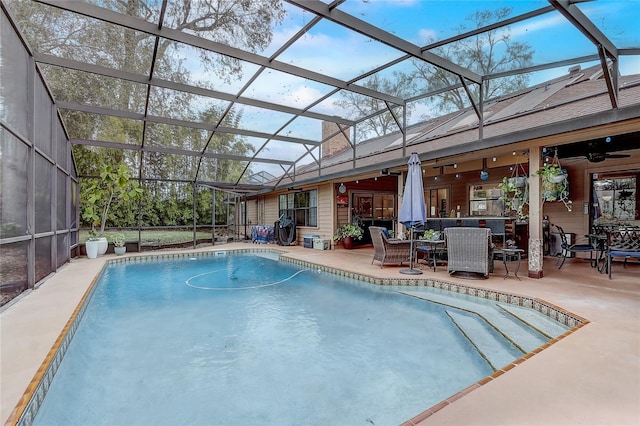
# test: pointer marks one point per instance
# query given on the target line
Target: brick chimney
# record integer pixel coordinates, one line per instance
(336, 144)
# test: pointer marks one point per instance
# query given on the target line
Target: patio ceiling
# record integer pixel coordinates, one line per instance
(315, 55)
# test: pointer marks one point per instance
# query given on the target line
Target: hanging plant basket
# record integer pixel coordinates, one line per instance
(515, 191)
(519, 181)
(555, 182)
(559, 178)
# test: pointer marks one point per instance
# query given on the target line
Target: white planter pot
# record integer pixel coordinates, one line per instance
(103, 245)
(519, 182)
(92, 248)
(120, 250)
(558, 179)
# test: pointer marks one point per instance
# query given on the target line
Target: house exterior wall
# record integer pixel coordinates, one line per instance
(574, 220)
(271, 212)
(326, 212)
(252, 207)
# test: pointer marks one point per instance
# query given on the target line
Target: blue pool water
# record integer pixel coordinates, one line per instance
(248, 340)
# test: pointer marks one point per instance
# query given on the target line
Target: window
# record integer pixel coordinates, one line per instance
(484, 200)
(436, 202)
(615, 199)
(302, 207)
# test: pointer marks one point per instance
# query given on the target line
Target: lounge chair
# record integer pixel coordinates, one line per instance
(387, 250)
(469, 250)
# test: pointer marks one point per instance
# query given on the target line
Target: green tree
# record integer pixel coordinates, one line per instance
(487, 53)
(238, 23)
(359, 105)
(97, 198)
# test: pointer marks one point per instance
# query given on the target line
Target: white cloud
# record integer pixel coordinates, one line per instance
(426, 36)
(527, 28)
(302, 96)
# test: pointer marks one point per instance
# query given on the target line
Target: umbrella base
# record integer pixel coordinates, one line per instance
(410, 271)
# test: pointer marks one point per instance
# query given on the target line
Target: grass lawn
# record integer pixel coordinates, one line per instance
(152, 237)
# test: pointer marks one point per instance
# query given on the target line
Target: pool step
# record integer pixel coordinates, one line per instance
(542, 324)
(494, 347)
(526, 328)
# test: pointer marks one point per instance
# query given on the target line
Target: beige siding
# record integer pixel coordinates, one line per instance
(342, 214)
(252, 213)
(326, 213)
(271, 213)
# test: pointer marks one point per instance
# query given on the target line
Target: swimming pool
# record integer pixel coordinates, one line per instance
(208, 341)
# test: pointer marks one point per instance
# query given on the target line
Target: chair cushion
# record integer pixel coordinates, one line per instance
(581, 247)
(625, 253)
(385, 231)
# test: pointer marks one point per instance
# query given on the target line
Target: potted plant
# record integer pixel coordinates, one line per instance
(113, 184)
(518, 181)
(552, 173)
(515, 195)
(118, 244)
(347, 233)
(92, 245)
(430, 235)
(98, 241)
(554, 184)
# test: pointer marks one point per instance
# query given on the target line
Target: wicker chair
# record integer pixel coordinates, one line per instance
(469, 250)
(389, 251)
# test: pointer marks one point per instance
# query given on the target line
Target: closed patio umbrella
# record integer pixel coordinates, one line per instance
(413, 211)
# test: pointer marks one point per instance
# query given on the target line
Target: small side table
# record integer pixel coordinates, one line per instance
(430, 250)
(511, 255)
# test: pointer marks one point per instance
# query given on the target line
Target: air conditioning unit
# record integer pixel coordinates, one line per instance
(320, 244)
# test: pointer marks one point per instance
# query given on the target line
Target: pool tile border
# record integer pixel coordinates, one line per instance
(25, 411)
(550, 310)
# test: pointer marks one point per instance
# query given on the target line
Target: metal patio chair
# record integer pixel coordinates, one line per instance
(567, 249)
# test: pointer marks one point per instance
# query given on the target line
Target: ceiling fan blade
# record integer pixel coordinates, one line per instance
(617, 155)
(597, 157)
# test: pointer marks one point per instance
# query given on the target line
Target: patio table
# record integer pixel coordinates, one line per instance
(430, 250)
(511, 255)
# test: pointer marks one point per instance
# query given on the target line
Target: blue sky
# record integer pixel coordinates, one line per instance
(331, 49)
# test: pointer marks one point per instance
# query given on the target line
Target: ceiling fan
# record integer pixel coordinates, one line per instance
(597, 153)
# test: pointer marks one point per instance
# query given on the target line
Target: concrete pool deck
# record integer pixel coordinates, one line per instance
(591, 377)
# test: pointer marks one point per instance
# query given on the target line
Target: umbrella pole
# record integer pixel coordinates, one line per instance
(411, 271)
